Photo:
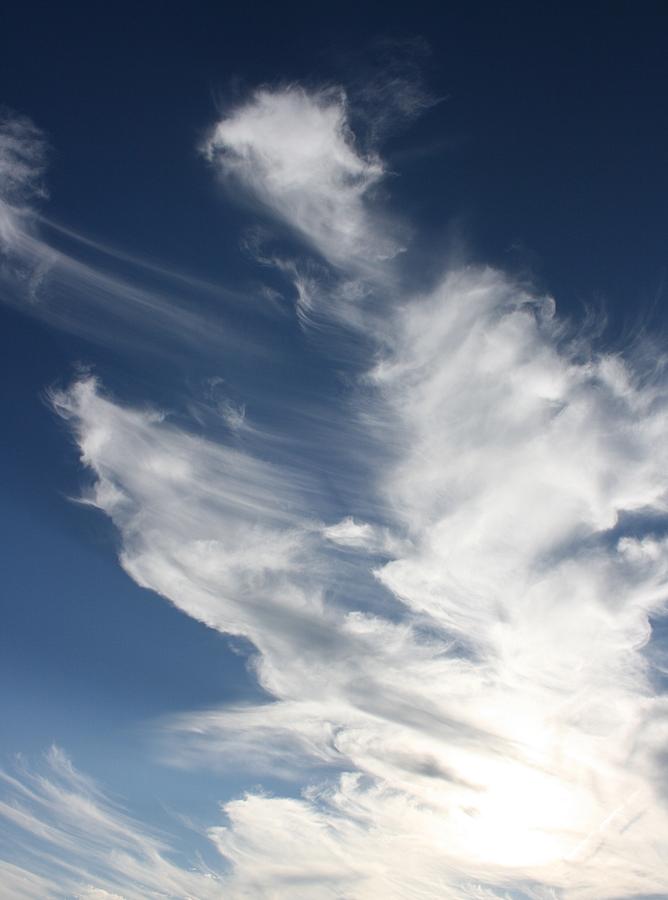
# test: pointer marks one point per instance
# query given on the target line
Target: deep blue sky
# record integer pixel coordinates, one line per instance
(546, 155)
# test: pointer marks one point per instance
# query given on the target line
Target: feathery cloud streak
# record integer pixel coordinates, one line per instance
(75, 842)
(72, 282)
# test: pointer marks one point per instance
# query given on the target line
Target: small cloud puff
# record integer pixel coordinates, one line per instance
(294, 152)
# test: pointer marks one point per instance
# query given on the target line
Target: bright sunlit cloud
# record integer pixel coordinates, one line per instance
(294, 152)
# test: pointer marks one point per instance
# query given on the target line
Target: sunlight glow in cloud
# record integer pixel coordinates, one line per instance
(498, 728)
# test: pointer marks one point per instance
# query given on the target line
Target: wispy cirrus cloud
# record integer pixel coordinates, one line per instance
(491, 724)
(23, 153)
(88, 288)
(69, 839)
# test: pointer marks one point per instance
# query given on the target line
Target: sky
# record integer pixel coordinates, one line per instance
(335, 428)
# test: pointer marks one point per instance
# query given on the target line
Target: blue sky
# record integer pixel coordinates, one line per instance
(334, 496)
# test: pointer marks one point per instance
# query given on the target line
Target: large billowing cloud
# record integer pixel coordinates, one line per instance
(484, 719)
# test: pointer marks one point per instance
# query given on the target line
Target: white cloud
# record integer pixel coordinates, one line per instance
(505, 724)
(22, 166)
(294, 152)
(362, 536)
(491, 725)
(22, 159)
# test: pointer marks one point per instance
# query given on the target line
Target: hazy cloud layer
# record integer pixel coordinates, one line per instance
(497, 726)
